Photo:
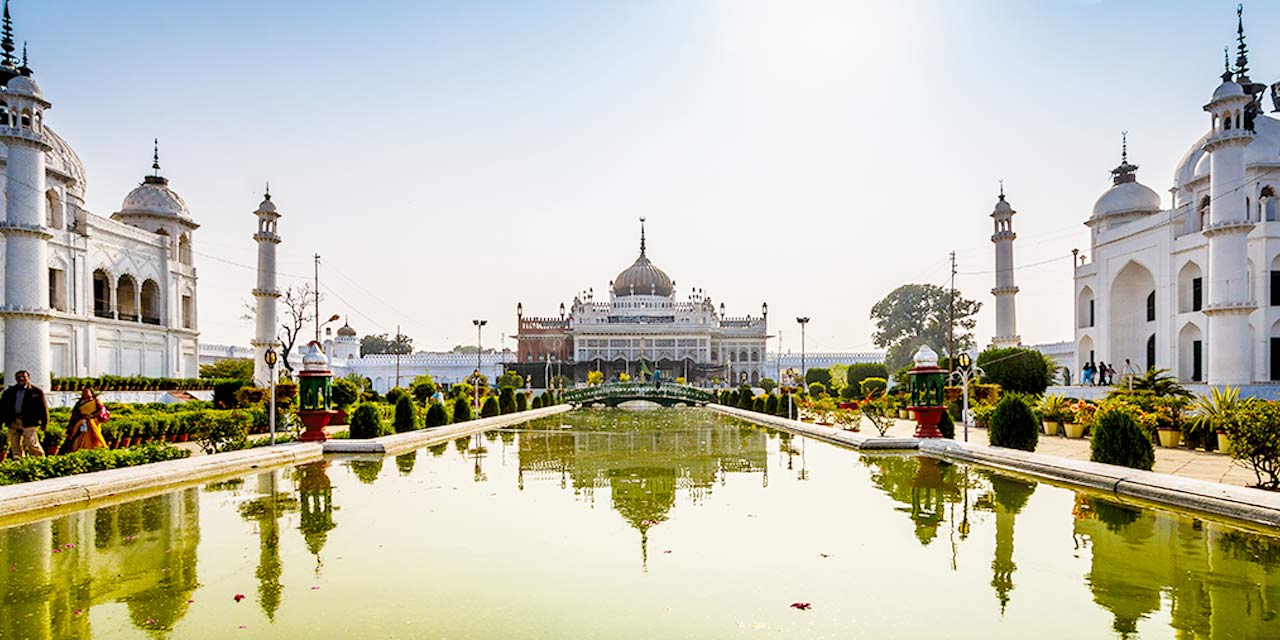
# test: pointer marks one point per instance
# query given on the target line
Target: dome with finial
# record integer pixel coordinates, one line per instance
(267, 205)
(1126, 194)
(314, 358)
(346, 331)
(642, 278)
(153, 196)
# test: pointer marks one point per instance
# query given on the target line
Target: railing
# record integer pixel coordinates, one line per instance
(616, 392)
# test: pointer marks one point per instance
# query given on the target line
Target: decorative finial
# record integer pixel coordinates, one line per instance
(1124, 172)
(642, 236)
(1242, 52)
(155, 157)
(1124, 147)
(267, 195)
(24, 69)
(6, 43)
(1002, 189)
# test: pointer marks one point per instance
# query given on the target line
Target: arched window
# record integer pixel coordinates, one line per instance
(1151, 352)
(1267, 204)
(1226, 121)
(53, 210)
(1151, 307)
(1203, 210)
(102, 294)
(184, 249)
(26, 118)
(127, 298)
(151, 302)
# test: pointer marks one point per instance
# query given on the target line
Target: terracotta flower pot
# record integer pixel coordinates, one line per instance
(1073, 429)
(1050, 427)
(1169, 438)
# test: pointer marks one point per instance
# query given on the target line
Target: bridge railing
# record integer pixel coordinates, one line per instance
(638, 391)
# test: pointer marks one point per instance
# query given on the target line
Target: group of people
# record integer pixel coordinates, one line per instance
(1103, 374)
(24, 412)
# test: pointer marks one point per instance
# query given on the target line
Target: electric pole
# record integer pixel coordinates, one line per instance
(951, 317)
(317, 292)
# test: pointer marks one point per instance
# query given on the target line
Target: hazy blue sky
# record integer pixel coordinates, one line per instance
(451, 159)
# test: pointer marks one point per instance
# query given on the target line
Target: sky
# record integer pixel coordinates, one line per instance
(449, 160)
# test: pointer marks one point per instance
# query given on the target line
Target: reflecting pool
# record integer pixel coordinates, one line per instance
(671, 523)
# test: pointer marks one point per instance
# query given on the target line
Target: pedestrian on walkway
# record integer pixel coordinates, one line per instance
(1102, 373)
(24, 412)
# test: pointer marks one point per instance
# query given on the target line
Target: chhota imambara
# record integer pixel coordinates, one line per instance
(85, 295)
(643, 328)
(1193, 288)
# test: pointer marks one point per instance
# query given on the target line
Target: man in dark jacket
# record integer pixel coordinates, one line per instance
(23, 411)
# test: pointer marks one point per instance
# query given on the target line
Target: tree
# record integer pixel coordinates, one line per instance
(510, 380)
(1013, 425)
(818, 374)
(366, 422)
(1015, 369)
(839, 378)
(384, 343)
(490, 408)
(768, 384)
(507, 400)
(406, 416)
(461, 409)
(423, 387)
(229, 369)
(299, 309)
(436, 415)
(345, 393)
(861, 371)
(917, 314)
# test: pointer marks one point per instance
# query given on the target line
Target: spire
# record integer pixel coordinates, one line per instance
(1002, 190)
(267, 195)
(155, 157)
(642, 237)
(1226, 64)
(1242, 52)
(24, 69)
(6, 43)
(1124, 172)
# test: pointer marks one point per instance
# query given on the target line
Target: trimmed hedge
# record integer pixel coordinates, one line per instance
(406, 418)
(30, 468)
(436, 415)
(947, 426)
(1013, 425)
(507, 400)
(490, 408)
(1118, 439)
(522, 401)
(462, 409)
(366, 422)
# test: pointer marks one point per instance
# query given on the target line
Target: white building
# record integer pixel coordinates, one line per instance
(86, 295)
(1193, 288)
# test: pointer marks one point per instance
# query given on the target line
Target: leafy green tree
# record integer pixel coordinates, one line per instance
(229, 369)
(1013, 425)
(510, 380)
(461, 409)
(423, 387)
(384, 343)
(1015, 369)
(917, 314)
(394, 395)
(863, 370)
(768, 384)
(436, 415)
(406, 416)
(345, 393)
(818, 374)
(490, 408)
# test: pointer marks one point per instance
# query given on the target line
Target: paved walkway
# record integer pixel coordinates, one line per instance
(1200, 465)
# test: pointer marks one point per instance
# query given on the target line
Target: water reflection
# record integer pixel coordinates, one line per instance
(266, 511)
(141, 553)
(317, 508)
(642, 462)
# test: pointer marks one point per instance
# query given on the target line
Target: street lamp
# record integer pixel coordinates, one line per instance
(803, 371)
(479, 325)
(270, 359)
(964, 373)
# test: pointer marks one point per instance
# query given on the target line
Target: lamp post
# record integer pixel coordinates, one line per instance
(479, 325)
(270, 359)
(927, 395)
(965, 372)
(803, 371)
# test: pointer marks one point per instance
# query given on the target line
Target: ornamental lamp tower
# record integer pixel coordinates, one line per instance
(928, 397)
(25, 312)
(1004, 291)
(315, 394)
(266, 295)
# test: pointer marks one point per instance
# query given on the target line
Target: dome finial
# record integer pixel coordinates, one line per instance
(1242, 51)
(1124, 147)
(1124, 172)
(1002, 189)
(641, 236)
(267, 195)
(24, 70)
(155, 156)
(6, 43)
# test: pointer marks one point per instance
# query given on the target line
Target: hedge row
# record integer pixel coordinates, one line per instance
(31, 468)
(135, 383)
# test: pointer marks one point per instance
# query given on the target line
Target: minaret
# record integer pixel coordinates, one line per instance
(26, 312)
(1004, 291)
(265, 294)
(1230, 301)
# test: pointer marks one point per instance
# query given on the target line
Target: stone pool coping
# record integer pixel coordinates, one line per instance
(412, 440)
(48, 498)
(72, 493)
(1236, 503)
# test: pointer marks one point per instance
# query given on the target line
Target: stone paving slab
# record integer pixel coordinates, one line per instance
(1200, 490)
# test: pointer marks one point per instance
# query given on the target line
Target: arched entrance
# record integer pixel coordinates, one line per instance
(1130, 321)
(1191, 353)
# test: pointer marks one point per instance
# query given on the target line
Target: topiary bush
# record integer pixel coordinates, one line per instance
(1013, 425)
(345, 393)
(1119, 440)
(757, 404)
(744, 399)
(366, 422)
(873, 387)
(490, 408)
(436, 415)
(771, 405)
(507, 400)
(406, 418)
(786, 406)
(861, 371)
(393, 396)
(462, 409)
(947, 426)
(817, 388)
(538, 401)
(522, 401)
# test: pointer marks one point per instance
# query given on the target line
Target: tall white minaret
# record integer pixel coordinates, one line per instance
(1004, 291)
(1231, 110)
(26, 310)
(265, 294)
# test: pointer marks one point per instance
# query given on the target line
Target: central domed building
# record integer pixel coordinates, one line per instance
(642, 329)
(1194, 286)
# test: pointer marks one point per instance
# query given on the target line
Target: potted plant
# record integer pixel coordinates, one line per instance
(1169, 413)
(1052, 407)
(1208, 414)
(54, 436)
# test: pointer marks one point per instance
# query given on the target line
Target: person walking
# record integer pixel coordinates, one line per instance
(1102, 373)
(84, 427)
(23, 412)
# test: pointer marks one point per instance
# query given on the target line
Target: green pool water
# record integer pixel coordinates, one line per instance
(670, 523)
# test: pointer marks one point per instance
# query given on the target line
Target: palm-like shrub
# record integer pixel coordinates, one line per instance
(1210, 413)
(461, 409)
(436, 415)
(1161, 383)
(406, 417)
(1119, 440)
(1013, 425)
(366, 422)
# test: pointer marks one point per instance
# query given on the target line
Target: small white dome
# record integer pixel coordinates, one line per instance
(314, 359)
(267, 206)
(154, 197)
(1127, 197)
(1227, 89)
(1003, 205)
(926, 357)
(24, 86)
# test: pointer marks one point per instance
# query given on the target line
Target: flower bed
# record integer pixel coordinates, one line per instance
(31, 468)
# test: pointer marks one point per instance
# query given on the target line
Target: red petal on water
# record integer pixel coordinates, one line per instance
(239, 597)
(803, 606)
(315, 588)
